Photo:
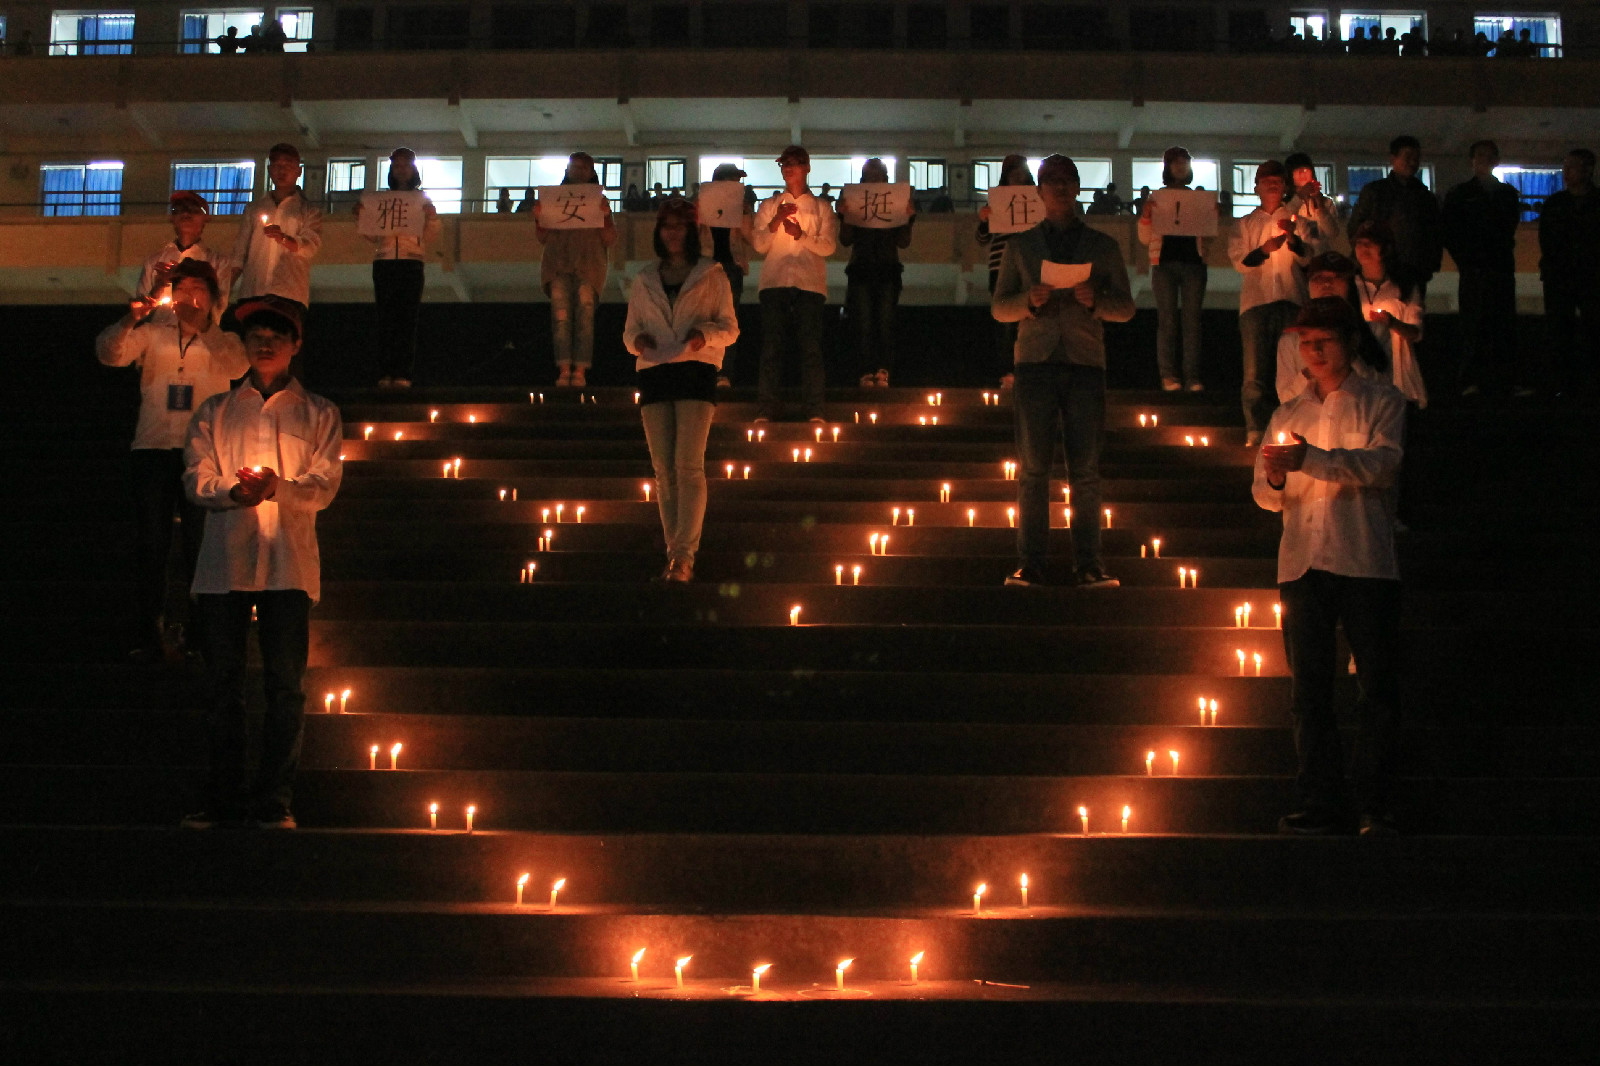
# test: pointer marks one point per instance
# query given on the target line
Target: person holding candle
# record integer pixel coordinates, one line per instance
(1329, 274)
(262, 460)
(1391, 305)
(278, 236)
(397, 278)
(573, 269)
(183, 360)
(681, 319)
(1334, 481)
(1060, 389)
(188, 212)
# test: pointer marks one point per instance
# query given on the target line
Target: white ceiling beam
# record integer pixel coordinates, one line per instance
(303, 122)
(630, 128)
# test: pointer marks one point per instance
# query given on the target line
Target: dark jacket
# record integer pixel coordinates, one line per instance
(1569, 240)
(1412, 214)
(1480, 226)
(875, 253)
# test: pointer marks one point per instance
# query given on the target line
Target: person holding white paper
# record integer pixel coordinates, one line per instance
(1013, 171)
(397, 278)
(1177, 269)
(1268, 250)
(873, 290)
(573, 270)
(1060, 391)
(680, 321)
(730, 247)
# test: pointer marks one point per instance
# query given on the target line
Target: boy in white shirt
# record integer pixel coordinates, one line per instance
(1267, 248)
(279, 235)
(188, 211)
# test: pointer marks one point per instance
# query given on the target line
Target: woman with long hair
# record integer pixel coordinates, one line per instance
(1177, 270)
(1391, 305)
(398, 263)
(1013, 171)
(573, 270)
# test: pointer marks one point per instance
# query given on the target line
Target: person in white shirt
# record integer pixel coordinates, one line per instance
(183, 359)
(1329, 274)
(1267, 249)
(681, 320)
(262, 460)
(398, 265)
(188, 211)
(796, 231)
(1332, 467)
(1391, 305)
(279, 235)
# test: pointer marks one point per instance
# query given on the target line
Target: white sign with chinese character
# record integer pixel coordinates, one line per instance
(1183, 213)
(720, 203)
(875, 205)
(1014, 208)
(572, 206)
(393, 213)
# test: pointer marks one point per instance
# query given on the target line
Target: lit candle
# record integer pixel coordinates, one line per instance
(1066, 494)
(838, 574)
(1194, 577)
(473, 419)
(930, 399)
(634, 965)
(858, 416)
(394, 757)
(446, 469)
(894, 516)
(544, 512)
(883, 545)
(502, 495)
(1238, 617)
(522, 882)
(1083, 818)
(944, 493)
(873, 418)
(761, 435)
(1150, 764)
(1127, 812)
(747, 473)
(911, 516)
(855, 574)
(372, 757)
(1108, 518)
(936, 420)
(1155, 547)
(797, 455)
(1283, 439)
(327, 704)
(1024, 882)
(819, 434)
(549, 540)
(1144, 420)
(677, 970)
(636, 397)
(729, 471)
(433, 416)
(939, 399)
(344, 699)
(1011, 517)
(555, 890)
(645, 486)
(986, 399)
(977, 898)
(366, 434)
(794, 615)
(1174, 756)
(1240, 653)
(972, 516)
(559, 508)
(872, 542)
(1247, 615)
(1141, 551)
(398, 435)
(1205, 442)
(1183, 574)
(1155, 420)
(263, 220)
(1277, 616)
(838, 973)
(1066, 515)
(580, 516)
(1188, 440)
(749, 435)
(1258, 664)
(808, 455)
(755, 977)
(836, 434)
(470, 812)
(916, 960)
(1202, 702)
(433, 816)
(1213, 712)
(923, 420)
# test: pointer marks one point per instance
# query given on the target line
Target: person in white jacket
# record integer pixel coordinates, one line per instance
(183, 359)
(398, 265)
(279, 235)
(681, 320)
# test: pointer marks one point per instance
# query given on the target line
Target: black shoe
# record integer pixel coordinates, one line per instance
(1378, 825)
(199, 820)
(1095, 577)
(276, 818)
(1025, 576)
(1313, 823)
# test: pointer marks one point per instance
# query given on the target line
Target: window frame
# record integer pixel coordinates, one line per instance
(78, 46)
(84, 209)
(214, 195)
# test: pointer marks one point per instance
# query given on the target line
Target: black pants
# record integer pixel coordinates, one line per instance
(157, 496)
(791, 314)
(233, 788)
(736, 283)
(1572, 330)
(871, 306)
(1369, 608)
(1488, 321)
(397, 290)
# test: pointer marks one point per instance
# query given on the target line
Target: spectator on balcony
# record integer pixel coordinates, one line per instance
(183, 359)
(872, 291)
(941, 204)
(502, 202)
(1569, 266)
(251, 43)
(228, 43)
(1405, 206)
(279, 235)
(729, 247)
(1106, 201)
(398, 267)
(1013, 171)
(262, 460)
(530, 197)
(634, 200)
(681, 319)
(796, 231)
(826, 194)
(23, 45)
(1390, 45)
(1060, 392)
(1413, 45)
(1267, 249)
(188, 211)
(1482, 47)
(1317, 212)
(273, 38)
(573, 269)
(1480, 221)
(1334, 478)
(1391, 306)
(658, 197)
(1177, 274)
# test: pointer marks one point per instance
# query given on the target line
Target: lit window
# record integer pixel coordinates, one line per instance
(347, 180)
(926, 174)
(296, 23)
(667, 173)
(441, 180)
(1309, 24)
(1401, 22)
(521, 174)
(227, 187)
(80, 189)
(202, 28)
(1544, 31)
(1533, 185)
(91, 33)
(1245, 199)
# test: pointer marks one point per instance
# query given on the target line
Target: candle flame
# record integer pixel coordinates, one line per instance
(1083, 812)
(683, 962)
(433, 808)
(762, 969)
(395, 750)
(637, 956)
(916, 960)
(559, 885)
(981, 889)
(471, 811)
(1024, 880)
(844, 964)
(1126, 812)
(523, 880)
(374, 749)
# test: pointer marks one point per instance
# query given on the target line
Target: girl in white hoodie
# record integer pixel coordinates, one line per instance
(680, 321)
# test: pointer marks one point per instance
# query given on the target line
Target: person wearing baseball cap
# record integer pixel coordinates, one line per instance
(262, 460)
(188, 211)
(1331, 466)
(279, 234)
(1060, 354)
(796, 231)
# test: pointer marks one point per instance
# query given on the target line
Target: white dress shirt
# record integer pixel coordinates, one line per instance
(273, 545)
(1292, 378)
(176, 374)
(1405, 374)
(265, 266)
(1338, 509)
(171, 253)
(1282, 275)
(796, 263)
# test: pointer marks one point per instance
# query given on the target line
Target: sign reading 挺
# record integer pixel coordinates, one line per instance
(393, 213)
(875, 205)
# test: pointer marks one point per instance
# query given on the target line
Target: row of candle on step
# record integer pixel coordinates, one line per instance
(761, 970)
(1241, 616)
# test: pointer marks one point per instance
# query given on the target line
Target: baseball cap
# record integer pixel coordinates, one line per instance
(186, 200)
(274, 311)
(794, 154)
(728, 172)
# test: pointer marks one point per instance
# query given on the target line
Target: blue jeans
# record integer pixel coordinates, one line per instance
(234, 789)
(787, 313)
(676, 433)
(572, 320)
(1168, 281)
(1259, 330)
(1369, 608)
(871, 306)
(1066, 402)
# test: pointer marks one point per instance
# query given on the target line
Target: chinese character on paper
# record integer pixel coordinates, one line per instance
(392, 214)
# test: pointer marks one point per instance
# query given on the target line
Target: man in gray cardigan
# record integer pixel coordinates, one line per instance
(1060, 370)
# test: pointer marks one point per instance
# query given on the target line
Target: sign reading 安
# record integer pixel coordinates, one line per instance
(393, 213)
(877, 205)
(1014, 208)
(572, 207)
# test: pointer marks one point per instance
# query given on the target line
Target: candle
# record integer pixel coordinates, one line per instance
(808, 455)
(1150, 762)
(1127, 812)
(1277, 616)
(544, 512)
(836, 434)
(936, 420)
(977, 898)
(749, 435)
(677, 970)
(1202, 702)
(972, 516)
(1194, 577)
(755, 977)
(1083, 818)
(855, 573)
(794, 615)
(555, 890)
(747, 473)
(894, 516)
(797, 455)
(522, 882)
(473, 419)
(838, 574)
(549, 540)
(873, 418)
(327, 704)
(923, 420)
(761, 435)
(1141, 551)
(1189, 441)
(645, 486)
(1174, 756)
(729, 471)
(372, 758)
(502, 495)
(883, 545)
(944, 493)
(1240, 653)
(580, 516)
(433, 416)
(1205, 442)
(916, 960)
(1155, 420)
(930, 399)
(470, 812)
(838, 973)
(939, 398)
(1023, 880)
(1066, 515)
(1144, 420)
(1213, 712)
(986, 399)
(858, 416)
(433, 816)
(263, 220)
(872, 542)
(1011, 517)
(398, 435)
(1258, 664)
(446, 469)
(1282, 439)
(559, 508)
(911, 516)
(1066, 494)
(1247, 615)
(344, 699)
(1183, 574)
(636, 397)
(1155, 547)
(1108, 518)
(634, 965)
(819, 434)
(366, 434)
(1238, 617)
(394, 756)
